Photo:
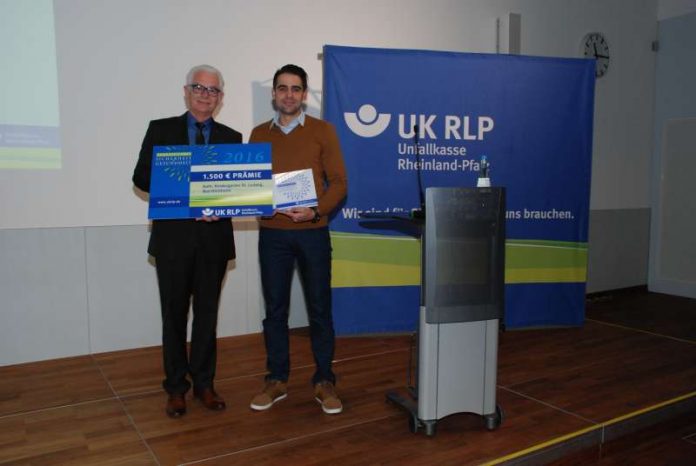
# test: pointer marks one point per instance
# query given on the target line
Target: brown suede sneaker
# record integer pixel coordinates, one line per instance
(275, 390)
(325, 394)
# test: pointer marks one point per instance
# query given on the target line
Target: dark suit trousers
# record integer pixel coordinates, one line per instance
(181, 279)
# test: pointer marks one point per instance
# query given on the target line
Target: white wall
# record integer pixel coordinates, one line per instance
(122, 63)
(671, 8)
(673, 228)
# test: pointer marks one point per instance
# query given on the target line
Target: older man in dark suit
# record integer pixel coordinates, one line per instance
(191, 255)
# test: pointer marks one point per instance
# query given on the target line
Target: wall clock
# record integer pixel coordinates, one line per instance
(594, 45)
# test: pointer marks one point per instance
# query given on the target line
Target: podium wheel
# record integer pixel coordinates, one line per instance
(430, 427)
(493, 421)
(413, 424)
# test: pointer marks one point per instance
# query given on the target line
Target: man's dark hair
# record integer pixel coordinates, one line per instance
(291, 69)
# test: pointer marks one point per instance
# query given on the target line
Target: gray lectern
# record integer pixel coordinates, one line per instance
(462, 300)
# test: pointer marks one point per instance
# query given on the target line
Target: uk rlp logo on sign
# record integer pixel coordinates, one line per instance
(367, 122)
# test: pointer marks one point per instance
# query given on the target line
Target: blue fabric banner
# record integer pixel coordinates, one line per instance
(399, 110)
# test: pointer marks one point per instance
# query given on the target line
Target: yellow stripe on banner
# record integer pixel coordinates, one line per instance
(546, 275)
(577, 433)
(346, 273)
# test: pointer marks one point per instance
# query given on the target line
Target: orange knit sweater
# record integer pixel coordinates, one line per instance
(314, 145)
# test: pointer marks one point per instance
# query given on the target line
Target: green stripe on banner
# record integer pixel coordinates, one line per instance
(363, 260)
(539, 261)
(374, 260)
(30, 158)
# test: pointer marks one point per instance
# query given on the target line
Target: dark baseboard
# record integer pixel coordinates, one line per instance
(601, 295)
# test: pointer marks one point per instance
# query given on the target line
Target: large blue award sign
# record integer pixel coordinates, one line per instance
(222, 180)
(401, 113)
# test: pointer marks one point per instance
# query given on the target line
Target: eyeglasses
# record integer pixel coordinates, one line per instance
(200, 89)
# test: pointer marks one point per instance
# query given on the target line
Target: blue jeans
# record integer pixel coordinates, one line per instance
(278, 252)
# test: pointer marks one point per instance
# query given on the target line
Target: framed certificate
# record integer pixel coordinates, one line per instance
(293, 189)
(223, 180)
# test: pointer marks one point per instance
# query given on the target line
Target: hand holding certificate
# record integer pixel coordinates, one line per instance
(294, 189)
(226, 180)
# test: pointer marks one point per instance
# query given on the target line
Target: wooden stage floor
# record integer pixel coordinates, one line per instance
(567, 395)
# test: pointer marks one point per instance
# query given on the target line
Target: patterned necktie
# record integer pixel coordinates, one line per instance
(200, 139)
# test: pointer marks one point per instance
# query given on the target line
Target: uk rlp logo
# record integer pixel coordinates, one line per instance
(367, 122)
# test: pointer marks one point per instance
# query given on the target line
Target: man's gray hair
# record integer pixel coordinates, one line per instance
(207, 69)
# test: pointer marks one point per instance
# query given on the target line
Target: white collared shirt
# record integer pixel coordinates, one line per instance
(299, 121)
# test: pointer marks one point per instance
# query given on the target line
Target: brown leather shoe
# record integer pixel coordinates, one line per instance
(210, 399)
(176, 405)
